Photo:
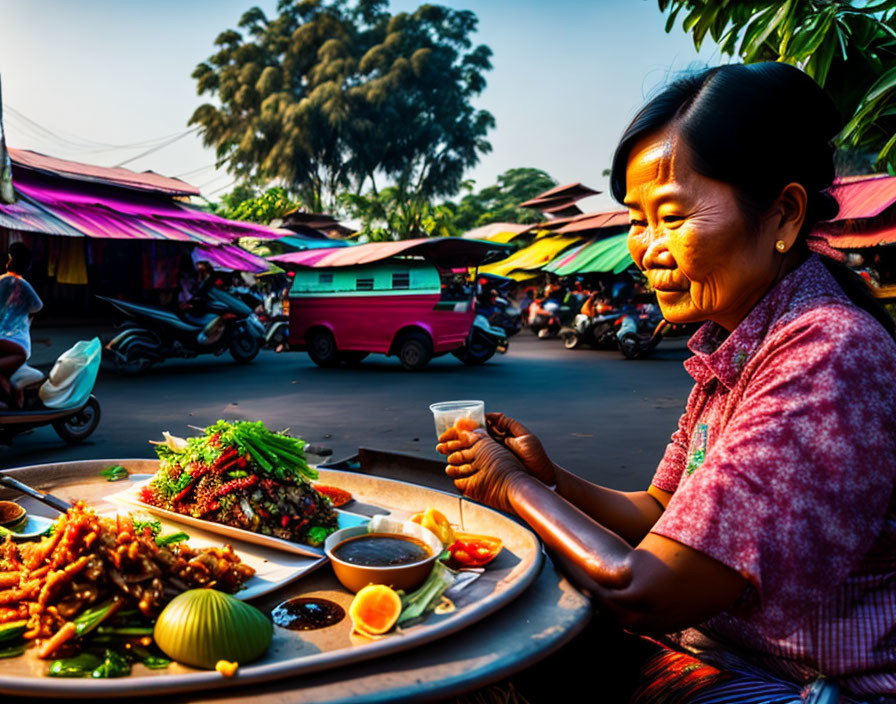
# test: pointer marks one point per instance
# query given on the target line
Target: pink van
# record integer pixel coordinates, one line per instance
(394, 298)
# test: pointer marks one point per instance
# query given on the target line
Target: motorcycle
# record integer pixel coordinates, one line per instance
(547, 318)
(597, 330)
(640, 331)
(151, 334)
(64, 400)
(482, 343)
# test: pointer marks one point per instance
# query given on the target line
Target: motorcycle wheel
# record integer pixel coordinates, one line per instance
(244, 346)
(475, 355)
(571, 340)
(415, 351)
(78, 427)
(630, 345)
(322, 348)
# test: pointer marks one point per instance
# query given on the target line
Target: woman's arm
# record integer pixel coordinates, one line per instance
(658, 586)
(628, 514)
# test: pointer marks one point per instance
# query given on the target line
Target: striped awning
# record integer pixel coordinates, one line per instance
(532, 258)
(607, 255)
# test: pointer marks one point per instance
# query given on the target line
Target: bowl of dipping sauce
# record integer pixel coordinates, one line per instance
(401, 559)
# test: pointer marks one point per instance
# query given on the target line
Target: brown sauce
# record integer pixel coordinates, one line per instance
(307, 614)
(382, 550)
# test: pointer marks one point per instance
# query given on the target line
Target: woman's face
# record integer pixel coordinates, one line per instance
(689, 237)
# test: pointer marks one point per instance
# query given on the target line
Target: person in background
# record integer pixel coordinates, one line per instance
(18, 303)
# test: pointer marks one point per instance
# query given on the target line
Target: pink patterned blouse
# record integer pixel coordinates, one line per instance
(783, 468)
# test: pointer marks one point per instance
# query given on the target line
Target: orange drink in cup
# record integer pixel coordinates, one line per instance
(447, 413)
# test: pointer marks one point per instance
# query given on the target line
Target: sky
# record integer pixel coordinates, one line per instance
(107, 81)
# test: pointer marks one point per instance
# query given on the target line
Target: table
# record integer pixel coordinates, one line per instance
(543, 618)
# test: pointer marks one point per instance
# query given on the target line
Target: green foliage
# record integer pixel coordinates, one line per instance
(330, 94)
(246, 203)
(848, 46)
(498, 203)
(387, 215)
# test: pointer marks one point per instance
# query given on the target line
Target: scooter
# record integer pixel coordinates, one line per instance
(597, 331)
(151, 334)
(73, 423)
(640, 331)
(482, 343)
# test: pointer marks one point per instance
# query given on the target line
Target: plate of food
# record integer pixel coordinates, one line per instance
(243, 482)
(97, 591)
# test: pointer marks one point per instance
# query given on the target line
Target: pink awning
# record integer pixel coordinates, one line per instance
(229, 256)
(864, 196)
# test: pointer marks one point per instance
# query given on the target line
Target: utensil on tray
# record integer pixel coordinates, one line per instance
(53, 502)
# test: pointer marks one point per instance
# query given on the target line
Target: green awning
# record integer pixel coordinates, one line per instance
(608, 255)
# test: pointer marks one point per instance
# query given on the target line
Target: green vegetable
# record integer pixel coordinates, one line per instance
(12, 630)
(79, 666)
(93, 617)
(141, 521)
(115, 473)
(171, 539)
(201, 626)
(156, 662)
(113, 665)
(318, 534)
(426, 598)
(124, 630)
(12, 651)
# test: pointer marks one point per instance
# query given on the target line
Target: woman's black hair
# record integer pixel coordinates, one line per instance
(20, 258)
(756, 128)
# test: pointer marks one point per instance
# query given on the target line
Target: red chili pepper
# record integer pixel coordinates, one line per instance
(471, 550)
(241, 483)
(284, 521)
(182, 494)
(338, 497)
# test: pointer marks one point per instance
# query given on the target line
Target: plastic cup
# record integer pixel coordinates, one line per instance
(446, 413)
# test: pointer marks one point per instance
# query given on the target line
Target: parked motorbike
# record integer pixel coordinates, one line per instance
(547, 318)
(640, 331)
(151, 334)
(482, 343)
(596, 330)
(68, 404)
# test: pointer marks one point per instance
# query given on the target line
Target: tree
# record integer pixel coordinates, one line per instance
(331, 95)
(847, 46)
(248, 203)
(386, 215)
(499, 202)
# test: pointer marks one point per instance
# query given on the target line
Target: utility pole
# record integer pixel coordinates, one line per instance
(7, 193)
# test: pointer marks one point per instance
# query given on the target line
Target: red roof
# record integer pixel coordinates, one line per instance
(145, 181)
(884, 233)
(597, 221)
(864, 196)
(574, 191)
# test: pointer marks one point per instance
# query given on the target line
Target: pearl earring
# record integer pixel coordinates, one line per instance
(781, 246)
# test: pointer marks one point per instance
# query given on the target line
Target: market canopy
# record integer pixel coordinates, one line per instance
(864, 196)
(71, 208)
(607, 255)
(231, 257)
(532, 258)
(875, 236)
(446, 252)
(496, 231)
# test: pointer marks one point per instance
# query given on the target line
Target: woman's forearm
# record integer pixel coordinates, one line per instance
(630, 515)
(597, 552)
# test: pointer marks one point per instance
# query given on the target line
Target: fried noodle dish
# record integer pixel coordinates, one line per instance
(91, 568)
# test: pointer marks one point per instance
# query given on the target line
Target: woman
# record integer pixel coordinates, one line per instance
(765, 547)
(19, 303)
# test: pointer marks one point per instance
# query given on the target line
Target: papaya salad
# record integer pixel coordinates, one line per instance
(242, 475)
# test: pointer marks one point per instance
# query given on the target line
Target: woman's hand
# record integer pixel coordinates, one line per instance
(480, 467)
(526, 446)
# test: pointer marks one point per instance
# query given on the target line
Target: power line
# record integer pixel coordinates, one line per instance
(157, 148)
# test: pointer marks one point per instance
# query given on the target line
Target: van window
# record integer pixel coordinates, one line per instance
(325, 279)
(364, 284)
(401, 280)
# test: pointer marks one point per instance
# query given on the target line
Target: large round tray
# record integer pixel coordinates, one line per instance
(292, 653)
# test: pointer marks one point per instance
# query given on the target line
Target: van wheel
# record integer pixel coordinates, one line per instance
(415, 351)
(322, 348)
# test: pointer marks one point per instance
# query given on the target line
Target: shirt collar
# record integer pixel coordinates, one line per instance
(725, 358)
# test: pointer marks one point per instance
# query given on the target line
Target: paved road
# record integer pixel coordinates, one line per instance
(598, 414)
